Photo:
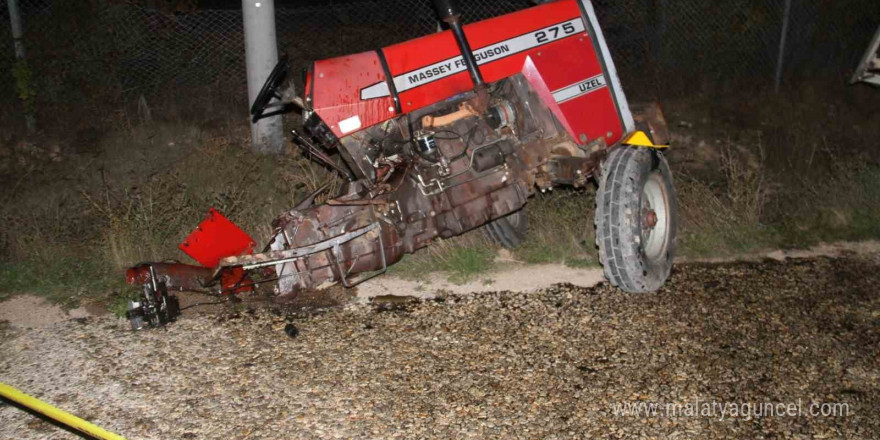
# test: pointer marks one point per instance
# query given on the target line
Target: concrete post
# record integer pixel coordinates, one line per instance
(267, 135)
(781, 58)
(15, 21)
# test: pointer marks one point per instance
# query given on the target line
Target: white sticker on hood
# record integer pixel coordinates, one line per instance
(350, 124)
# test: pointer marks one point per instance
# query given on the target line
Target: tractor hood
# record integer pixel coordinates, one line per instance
(357, 91)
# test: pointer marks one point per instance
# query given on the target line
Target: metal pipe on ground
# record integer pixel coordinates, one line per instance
(56, 414)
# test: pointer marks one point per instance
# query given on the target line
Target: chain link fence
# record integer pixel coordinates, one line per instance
(105, 51)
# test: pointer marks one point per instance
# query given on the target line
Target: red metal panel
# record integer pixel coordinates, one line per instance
(352, 90)
(336, 96)
(576, 90)
(214, 238)
(500, 45)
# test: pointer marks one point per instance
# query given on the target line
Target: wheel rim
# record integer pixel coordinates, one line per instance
(654, 217)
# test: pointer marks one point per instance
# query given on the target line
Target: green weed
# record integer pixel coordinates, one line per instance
(65, 280)
(463, 258)
(465, 263)
(560, 228)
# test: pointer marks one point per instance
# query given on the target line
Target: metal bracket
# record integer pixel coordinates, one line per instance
(256, 261)
(336, 251)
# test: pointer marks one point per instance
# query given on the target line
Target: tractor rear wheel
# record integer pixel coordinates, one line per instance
(510, 230)
(636, 219)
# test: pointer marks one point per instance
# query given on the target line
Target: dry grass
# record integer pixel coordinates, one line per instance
(725, 217)
(134, 198)
(80, 208)
(560, 228)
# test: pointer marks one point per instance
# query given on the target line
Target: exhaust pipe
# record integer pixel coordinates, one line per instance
(448, 12)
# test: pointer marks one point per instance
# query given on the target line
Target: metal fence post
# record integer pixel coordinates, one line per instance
(15, 22)
(261, 55)
(779, 59)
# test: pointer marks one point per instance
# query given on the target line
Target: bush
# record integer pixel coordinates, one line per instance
(74, 226)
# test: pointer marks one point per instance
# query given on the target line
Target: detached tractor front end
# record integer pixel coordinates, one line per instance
(444, 134)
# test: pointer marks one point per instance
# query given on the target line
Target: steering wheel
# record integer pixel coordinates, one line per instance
(271, 89)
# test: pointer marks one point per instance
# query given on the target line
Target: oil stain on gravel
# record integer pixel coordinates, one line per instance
(549, 364)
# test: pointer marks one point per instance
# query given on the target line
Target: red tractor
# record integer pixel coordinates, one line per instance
(443, 134)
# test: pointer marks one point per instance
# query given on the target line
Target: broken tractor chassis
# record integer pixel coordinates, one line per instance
(434, 139)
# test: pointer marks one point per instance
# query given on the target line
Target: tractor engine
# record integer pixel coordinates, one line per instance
(435, 173)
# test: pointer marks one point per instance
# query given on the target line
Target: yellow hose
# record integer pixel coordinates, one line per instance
(56, 414)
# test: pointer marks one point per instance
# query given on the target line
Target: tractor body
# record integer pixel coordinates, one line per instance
(441, 135)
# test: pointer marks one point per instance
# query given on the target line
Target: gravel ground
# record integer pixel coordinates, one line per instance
(549, 364)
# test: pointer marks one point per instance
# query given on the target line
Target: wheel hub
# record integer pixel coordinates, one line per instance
(649, 220)
(654, 215)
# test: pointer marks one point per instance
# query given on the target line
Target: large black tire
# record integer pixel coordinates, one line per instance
(636, 219)
(510, 230)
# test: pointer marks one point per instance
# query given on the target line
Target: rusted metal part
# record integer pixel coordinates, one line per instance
(186, 277)
(256, 261)
(335, 202)
(415, 221)
(327, 243)
(572, 171)
(175, 276)
(309, 200)
(319, 244)
(567, 149)
(649, 118)
(235, 280)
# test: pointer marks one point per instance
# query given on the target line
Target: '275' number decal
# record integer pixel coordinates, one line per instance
(486, 54)
(543, 35)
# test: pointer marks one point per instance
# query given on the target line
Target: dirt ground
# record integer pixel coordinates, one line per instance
(30, 311)
(553, 363)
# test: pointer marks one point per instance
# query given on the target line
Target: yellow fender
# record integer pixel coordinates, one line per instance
(56, 414)
(640, 139)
